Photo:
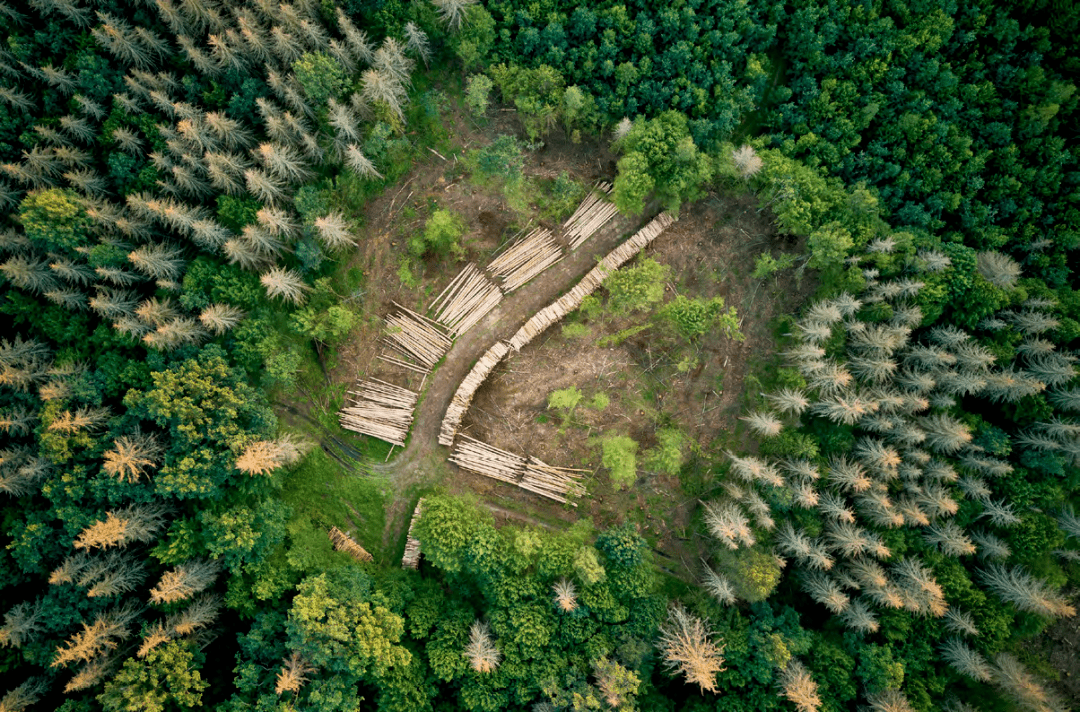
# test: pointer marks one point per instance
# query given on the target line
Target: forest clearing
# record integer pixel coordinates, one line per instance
(489, 355)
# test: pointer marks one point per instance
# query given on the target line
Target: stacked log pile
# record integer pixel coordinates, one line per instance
(617, 257)
(459, 404)
(529, 474)
(381, 410)
(483, 459)
(525, 259)
(570, 301)
(411, 558)
(344, 542)
(416, 336)
(551, 482)
(465, 301)
(591, 215)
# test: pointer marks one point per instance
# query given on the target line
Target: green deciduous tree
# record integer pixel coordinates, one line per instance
(637, 288)
(167, 678)
(54, 219)
(207, 409)
(660, 151)
(336, 626)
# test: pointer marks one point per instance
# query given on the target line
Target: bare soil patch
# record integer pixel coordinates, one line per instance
(698, 388)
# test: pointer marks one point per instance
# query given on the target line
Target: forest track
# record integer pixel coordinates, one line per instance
(407, 469)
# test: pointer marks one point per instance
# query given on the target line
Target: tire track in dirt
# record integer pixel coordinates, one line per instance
(410, 467)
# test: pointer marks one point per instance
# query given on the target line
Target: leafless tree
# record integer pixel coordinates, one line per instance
(158, 261)
(174, 333)
(1010, 676)
(1025, 591)
(31, 274)
(264, 456)
(481, 652)
(1032, 322)
(961, 622)
(799, 687)
(849, 476)
(90, 674)
(814, 332)
(919, 588)
(889, 701)
(102, 635)
(343, 54)
(998, 269)
(121, 527)
(225, 171)
(565, 595)
(965, 660)
(831, 379)
(360, 164)
(826, 591)
(747, 162)
(24, 696)
(452, 12)
(950, 538)
(201, 613)
(860, 618)
(763, 424)
(1053, 369)
(381, 86)
(293, 674)
(245, 254)
(17, 99)
(155, 635)
(219, 318)
(719, 587)
(263, 186)
(184, 581)
(78, 420)
(687, 649)
(416, 41)
(333, 230)
(728, 523)
(1000, 514)
(21, 624)
(131, 456)
(277, 222)
(753, 469)
(283, 162)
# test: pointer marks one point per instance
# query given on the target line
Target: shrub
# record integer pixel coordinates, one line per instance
(477, 94)
(620, 456)
(667, 456)
(693, 318)
(575, 331)
(636, 288)
(441, 235)
(766, 265)
(320, 75)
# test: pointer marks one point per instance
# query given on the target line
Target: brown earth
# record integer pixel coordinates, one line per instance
(711, 251)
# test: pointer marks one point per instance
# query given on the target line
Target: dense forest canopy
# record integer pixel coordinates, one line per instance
(891, 522)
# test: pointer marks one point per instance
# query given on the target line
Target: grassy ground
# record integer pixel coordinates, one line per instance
(322, 493)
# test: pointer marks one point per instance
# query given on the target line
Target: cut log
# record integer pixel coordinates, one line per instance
(411, 558)
(344, 542)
